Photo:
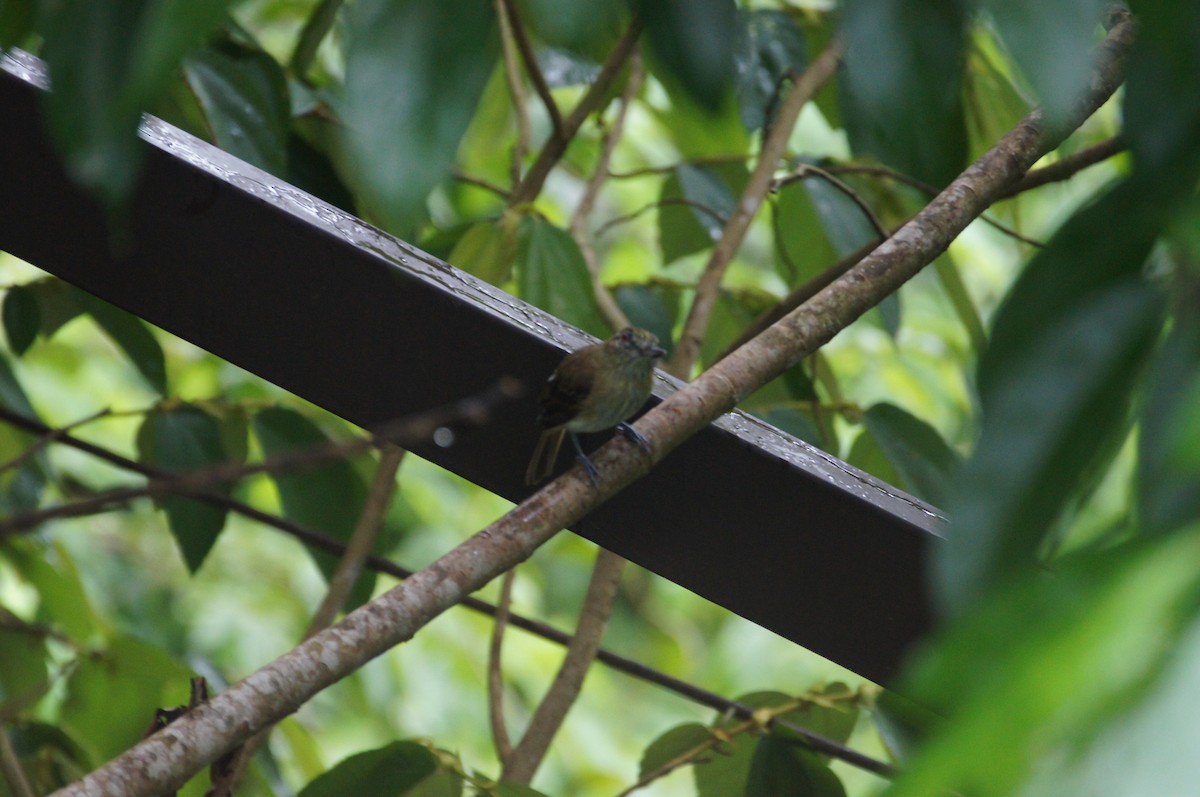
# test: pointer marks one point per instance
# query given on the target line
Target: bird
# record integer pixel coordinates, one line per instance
(595, 388)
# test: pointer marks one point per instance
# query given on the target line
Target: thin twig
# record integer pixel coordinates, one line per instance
(552, 710)
(479, 182)
(10, 765)
(595, 97)
(341, 583)
(532, 68)
(48, 438)
(495, 670)
(404, 432)
(1067, 167)
(661, 203)
(324, 542)
(924, 187)
(805, 169)
(651, 171)
(612, 312)
(318, 24)
(687, 349)
(516, 88)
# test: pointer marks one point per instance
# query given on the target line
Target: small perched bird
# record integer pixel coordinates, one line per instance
(593, 389)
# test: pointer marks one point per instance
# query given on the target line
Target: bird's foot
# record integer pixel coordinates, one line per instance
(590, 469)
(633, 434)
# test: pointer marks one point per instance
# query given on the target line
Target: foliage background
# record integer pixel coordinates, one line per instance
(131, 603)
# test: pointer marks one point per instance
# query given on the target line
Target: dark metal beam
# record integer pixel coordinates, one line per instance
(314, 300)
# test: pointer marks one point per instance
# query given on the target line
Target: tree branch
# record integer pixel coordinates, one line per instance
(555, 146)
(687, 349)
(612, 312)
(495, 671)
(597, 608)
(165, 760)
(525, 48)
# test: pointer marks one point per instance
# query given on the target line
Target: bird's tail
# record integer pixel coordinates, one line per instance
(541, 464)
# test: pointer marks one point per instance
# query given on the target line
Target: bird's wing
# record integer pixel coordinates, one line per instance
(565, 391)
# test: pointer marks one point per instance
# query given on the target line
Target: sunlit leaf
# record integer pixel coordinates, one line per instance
(144, 676)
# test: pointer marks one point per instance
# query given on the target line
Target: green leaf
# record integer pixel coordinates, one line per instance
(1053, 45)
(925, 463)
(414, 74)
(132, 335)
(671, 745)
(1047, 664)
(57, 303)
(311, 170)
(244, 96)
(108, 62)
(22, 318)
(552, 274)
(646, 307)
(24, 676)
(956, 291)
(112, 697)
(49, 758)
(1168, 491)
(328, 497)
(834, 721)
(802, 247)
(1161, 113)
(62, 601)
(709, 199)
(1055, 383)
(16, 21)
(693, 44)
(769, 46)
(781, 769)
(181, 439)
(395, 768)
(901, 85)
(845, 224)
(868, 455)
(20, 487)
(487, 249)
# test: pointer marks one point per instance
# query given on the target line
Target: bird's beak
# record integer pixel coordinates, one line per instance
(658, 351)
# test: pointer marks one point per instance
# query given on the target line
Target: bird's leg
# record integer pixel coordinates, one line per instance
(585, 463)
(634, 435)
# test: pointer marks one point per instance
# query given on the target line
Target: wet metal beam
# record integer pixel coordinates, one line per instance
(314, 300)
